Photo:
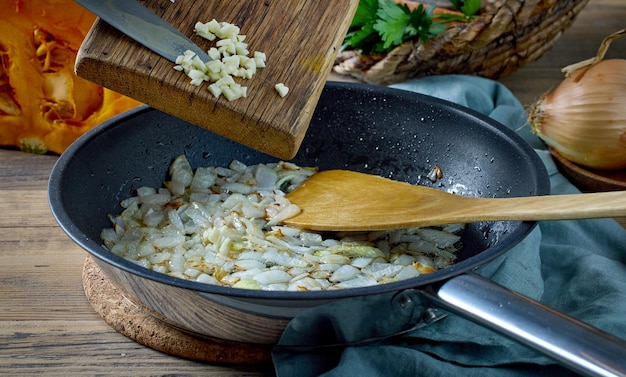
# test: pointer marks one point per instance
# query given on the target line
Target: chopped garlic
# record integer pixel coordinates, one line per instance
(214, 53)
(215, 90)
(281, 89)
(259, 59)
(230, 59)
(218, 225)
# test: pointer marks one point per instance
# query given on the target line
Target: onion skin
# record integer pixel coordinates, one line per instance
(584, 118)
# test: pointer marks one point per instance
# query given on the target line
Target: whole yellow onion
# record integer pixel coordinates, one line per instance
(584, 118)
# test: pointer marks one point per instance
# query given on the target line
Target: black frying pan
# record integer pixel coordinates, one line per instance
(392, 133)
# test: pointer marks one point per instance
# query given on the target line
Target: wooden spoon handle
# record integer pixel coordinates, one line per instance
(549, 207)
(431, 208)
(461, 209)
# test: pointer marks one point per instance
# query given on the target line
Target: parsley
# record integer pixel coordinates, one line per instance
(361, 35)
(468, 7)
(381, 25)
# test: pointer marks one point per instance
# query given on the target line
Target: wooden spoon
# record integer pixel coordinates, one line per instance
(350, 201)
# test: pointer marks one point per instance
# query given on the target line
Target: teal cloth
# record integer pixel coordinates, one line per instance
(576, 267)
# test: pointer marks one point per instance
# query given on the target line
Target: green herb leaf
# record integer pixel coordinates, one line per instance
(468, 7)
(361, 34)
(381, 25)
(392, 21)
(365, 13)
(422, 24)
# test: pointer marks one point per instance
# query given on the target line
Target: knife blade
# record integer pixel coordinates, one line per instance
(144, 26)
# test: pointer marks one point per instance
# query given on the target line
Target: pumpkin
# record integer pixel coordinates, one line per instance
(44, 106)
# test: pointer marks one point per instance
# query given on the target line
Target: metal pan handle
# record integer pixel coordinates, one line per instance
(578, 346)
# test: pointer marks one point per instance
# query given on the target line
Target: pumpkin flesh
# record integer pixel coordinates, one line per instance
(44, 106)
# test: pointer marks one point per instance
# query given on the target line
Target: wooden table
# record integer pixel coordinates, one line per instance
(46, 323)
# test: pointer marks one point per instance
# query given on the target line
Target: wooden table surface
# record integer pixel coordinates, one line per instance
(46, 323)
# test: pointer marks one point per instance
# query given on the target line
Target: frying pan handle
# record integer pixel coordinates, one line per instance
(578, 346)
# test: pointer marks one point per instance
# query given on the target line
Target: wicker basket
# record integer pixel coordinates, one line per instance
(505, 36)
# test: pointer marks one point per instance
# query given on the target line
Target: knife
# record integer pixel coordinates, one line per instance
(144, 26)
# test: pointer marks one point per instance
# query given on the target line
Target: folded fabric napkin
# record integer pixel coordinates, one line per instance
(576, 267)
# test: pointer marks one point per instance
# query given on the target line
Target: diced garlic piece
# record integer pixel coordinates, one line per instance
(145, 248)
(407, 272)
(228, 31)
(214, 66)
(214, 26)
(168, 242)
(272, 256)
(207, 279)
(247, 274)
(249, 264)
(272, 277)
(423, 246)
(260, 58)
(404, 260)
(197, 63)
(276, 287)
(287, 212)
(159, 257)
(109, 235)
(440, 238)
(191, 273)
(343, 273)
(232, 92)
(226, 46)
(232, 61)
(357, 250)
(384, 270)
(196, 82)
(196, 74)
(226, 80)
(203, 31)
(180, 171)
(355, 283)
(241, 48)
(281, 89)
(177, 262)
(251, 211)
(214, 53)
(361, 262)
(215, 90)
(305, 284)
(142, 262)
(143, 191)
(334, 259)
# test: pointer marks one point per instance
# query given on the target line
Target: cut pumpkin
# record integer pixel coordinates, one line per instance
(44, 106)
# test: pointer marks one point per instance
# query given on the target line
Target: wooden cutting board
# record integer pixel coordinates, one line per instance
(300, 39)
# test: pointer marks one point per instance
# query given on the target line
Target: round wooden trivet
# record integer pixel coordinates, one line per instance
(129, 320)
